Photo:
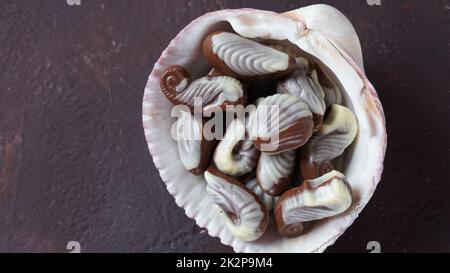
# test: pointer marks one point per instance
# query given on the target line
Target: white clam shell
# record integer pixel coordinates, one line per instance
(337, 47)
(333, 25)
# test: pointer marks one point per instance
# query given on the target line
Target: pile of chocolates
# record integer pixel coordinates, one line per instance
(260, 168)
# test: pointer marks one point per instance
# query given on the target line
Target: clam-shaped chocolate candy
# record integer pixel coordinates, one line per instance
(307, 88)
(282, 122)
(194, 150)
(244, 59)
(243, 211)
(323, 197)
(274, 172)
(336, 133)
(328, 40)
(215, 93)
(235, 154)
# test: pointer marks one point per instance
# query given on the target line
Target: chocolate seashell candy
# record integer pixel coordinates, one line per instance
(244, 59)
(243, 211)
(282, 122)
(323, 197)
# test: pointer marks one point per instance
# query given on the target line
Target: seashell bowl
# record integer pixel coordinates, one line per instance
(324, 35)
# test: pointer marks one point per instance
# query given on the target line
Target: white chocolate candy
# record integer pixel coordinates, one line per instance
(337, 132)
(268, 200)
(235, 154)
(274, 172)
(326, 196)
(305, 87)
(244, 213)
(242, 58)
(193, 149)
(282, 122)
(215, 92)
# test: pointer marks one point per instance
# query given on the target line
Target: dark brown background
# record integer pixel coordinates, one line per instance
(73, 159)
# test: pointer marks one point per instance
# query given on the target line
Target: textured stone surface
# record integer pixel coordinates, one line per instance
(73, 159)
